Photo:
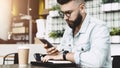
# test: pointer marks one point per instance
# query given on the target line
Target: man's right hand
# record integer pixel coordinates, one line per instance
(52, 50)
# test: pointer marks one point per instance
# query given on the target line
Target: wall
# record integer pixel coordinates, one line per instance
(97, 9)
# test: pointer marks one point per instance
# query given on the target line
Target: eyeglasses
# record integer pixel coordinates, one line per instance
(67, 13)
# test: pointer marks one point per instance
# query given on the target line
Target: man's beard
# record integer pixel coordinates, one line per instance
(76, 22)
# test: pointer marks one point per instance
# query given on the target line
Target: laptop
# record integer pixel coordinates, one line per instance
(54, 63)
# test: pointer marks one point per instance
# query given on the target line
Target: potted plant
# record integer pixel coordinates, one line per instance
(88, 0)
(110, 1)
(115, 35)
(54, 11)
(55, 7)
(56, 35)
(110, 5)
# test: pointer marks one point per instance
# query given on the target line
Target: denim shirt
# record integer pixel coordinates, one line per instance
(91, 45)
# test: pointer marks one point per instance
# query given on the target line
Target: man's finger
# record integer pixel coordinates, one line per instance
(45, 46)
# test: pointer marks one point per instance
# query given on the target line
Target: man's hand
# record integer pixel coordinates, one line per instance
(52, 50)
(53, 53)
(55, 57)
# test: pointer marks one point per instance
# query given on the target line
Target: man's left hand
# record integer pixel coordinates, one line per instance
(54, 57)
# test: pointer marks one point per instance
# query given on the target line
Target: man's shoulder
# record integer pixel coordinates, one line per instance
(98, 24)
(97, 21)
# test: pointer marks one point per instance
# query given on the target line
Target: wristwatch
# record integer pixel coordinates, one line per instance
(64, 54)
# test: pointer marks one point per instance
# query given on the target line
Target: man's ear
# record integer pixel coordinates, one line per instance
(82, 8)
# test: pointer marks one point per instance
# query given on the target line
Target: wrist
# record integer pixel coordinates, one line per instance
(64, 55)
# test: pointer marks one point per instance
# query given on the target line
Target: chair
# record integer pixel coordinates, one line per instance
(9, 56)
(116, 61)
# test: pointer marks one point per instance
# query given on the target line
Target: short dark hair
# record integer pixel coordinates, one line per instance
(61, 2)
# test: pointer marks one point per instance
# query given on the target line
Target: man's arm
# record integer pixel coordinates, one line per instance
(99, 53)
(70, 57)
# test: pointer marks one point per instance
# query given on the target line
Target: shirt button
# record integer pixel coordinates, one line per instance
(62, 49)
(70, 45)
(82, 49)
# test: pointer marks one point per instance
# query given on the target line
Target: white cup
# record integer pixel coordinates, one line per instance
(23, 55)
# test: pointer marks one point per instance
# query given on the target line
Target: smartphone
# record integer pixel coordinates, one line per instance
(46, 42)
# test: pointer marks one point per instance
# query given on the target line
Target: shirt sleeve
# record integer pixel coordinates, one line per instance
(99, 53)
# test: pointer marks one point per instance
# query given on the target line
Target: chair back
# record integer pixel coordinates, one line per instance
(14, 55)
(116, 61)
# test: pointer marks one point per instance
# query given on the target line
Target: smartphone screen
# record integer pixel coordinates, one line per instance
(46, 42)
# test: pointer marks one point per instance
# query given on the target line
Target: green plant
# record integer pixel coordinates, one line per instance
(110, 1)
(55, 7)
(115, 31)
(56, 34)
(88, 0)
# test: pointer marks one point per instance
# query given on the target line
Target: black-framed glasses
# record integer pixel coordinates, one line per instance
(67, 13)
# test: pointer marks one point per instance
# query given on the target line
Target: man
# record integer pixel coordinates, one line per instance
(85, 40)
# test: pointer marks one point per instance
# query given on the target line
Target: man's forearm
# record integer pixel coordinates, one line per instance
(70, 56)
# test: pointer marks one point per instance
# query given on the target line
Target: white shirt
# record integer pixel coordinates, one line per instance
(91, 45)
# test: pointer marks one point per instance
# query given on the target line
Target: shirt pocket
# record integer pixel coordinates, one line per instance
(83, 47)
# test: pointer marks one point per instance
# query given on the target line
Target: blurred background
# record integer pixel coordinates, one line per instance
(24, 22)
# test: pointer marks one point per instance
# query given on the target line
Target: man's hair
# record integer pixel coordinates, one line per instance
(61, 2)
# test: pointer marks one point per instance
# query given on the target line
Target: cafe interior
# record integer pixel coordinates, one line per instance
(25, 22)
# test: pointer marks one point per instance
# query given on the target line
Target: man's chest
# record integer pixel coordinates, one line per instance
(78, 43)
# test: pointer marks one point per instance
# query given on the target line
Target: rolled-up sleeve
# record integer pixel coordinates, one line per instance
(77, 57)
(99, 53)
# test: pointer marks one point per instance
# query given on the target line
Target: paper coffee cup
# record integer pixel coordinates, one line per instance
(23, 55)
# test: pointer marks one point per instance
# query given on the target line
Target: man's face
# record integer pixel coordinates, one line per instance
(74, 23)
(72, 14)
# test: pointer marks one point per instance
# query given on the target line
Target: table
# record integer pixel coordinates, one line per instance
(28, 66)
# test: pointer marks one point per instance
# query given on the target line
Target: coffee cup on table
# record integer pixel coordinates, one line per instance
(23, 55)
